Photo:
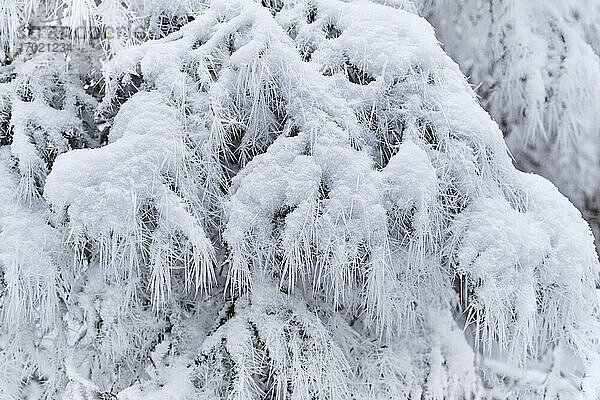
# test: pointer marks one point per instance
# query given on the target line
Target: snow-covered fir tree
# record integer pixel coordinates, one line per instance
(293, 199)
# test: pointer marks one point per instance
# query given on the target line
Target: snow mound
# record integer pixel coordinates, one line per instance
(111, 195)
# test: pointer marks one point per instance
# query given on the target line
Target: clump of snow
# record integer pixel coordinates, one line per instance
(105, 193)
